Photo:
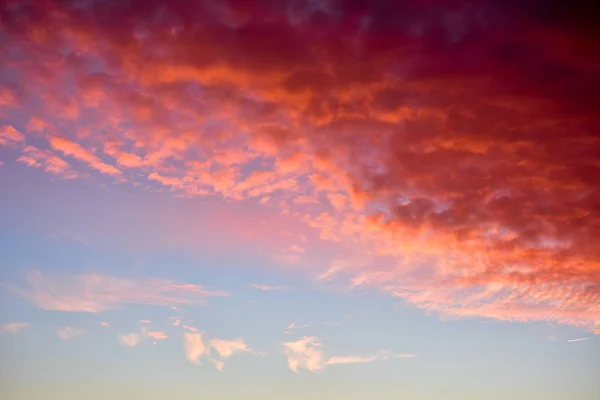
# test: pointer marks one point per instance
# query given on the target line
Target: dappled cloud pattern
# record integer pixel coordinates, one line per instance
(455, 144)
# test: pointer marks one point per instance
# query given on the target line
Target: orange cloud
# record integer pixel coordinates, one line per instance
(73, 149)
(10, 134)
(432, 144)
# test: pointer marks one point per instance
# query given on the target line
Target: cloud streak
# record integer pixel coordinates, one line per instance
(95, 292)
(13, 327)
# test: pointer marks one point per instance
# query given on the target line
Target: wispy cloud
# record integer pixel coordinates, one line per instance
(157, 335)
(351, 360)
(130, 339)
(95, 292)
(13, 327)
(268, 288)
(145, 321)
(190, 328)
(578, 340)
(307, 353)
(74, 150)
(104, 324)
(227, 348)
(69, 333)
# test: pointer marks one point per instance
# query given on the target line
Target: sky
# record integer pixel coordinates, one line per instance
(291, 199)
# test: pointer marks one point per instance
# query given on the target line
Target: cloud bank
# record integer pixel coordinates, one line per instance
(458, 139)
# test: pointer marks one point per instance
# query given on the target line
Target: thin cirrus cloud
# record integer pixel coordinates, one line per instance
(13, 327)
(95, 292)
(307, 353)
(478, 178)
(268, 288)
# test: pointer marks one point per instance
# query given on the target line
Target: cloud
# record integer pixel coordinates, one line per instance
(13, 327)
(104, 324)
(10, 134)
(189, 328)
(69, 333)
(578, 340)
(157, 335)
(130, 339)
(227, 348)
(75, 150)
(307, 353)
(268, 288)
(176, 322)
(96, 292)
(459, 141)
(145, 321)
(351, 360)
(193, 346)
(51, 163)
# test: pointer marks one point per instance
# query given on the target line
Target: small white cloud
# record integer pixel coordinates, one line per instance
(69, 333)
(145, 321)
(305, 353)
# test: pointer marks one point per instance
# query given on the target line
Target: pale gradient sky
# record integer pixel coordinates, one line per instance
(291, 200)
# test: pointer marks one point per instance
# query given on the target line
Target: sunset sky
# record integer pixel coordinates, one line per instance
(299, 199)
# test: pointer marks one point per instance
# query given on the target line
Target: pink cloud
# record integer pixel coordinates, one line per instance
(104, 324)
(130, 339)
(96, 292)
(189, 328)
(9, 133)
(194, 347)
(158, 335)
(13, 327)
(73, 149)
(69, 333)
(145, 321)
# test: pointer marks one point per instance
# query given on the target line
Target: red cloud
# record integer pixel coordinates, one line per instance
(459, 138)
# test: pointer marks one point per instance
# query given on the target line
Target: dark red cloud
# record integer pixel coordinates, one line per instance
(471, 126)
